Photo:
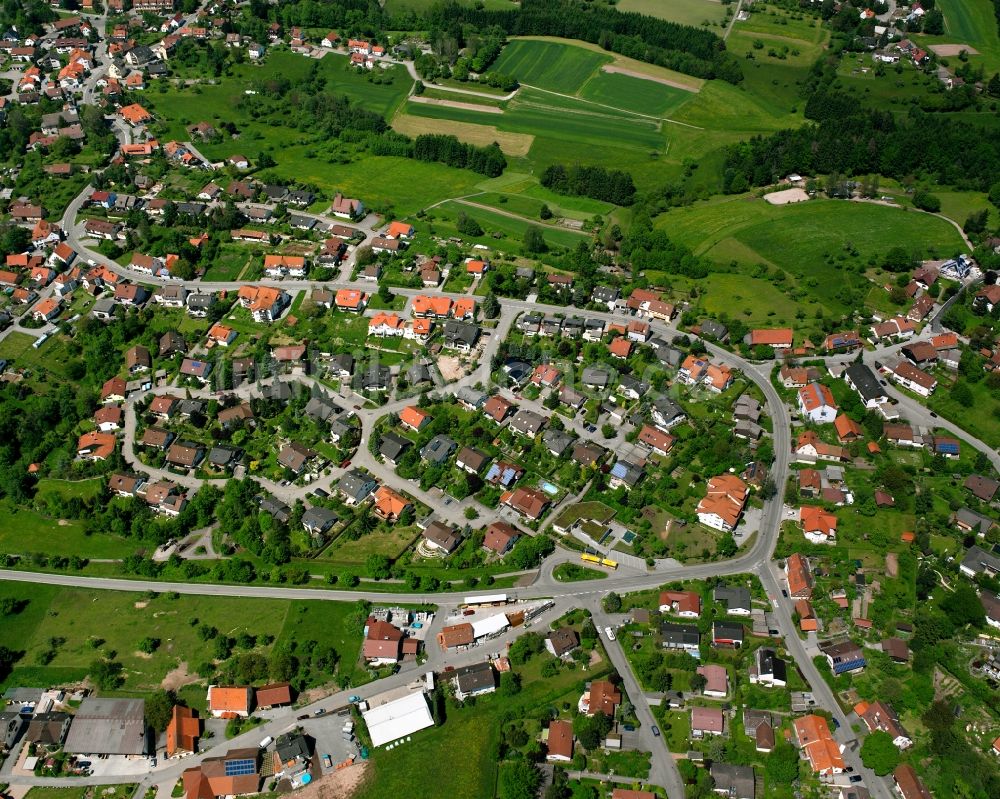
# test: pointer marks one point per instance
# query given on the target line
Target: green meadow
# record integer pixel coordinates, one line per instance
(686, 12)
(550, 65)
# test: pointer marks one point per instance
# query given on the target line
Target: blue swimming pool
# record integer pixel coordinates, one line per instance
(550, 489)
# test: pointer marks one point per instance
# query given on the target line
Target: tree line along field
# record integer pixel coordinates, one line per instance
(61, 631)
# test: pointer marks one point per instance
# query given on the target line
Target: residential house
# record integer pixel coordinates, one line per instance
(878, 715)
(735, 599)
(229, 701)
(812, 735)
(722, 506)
(383, 643)
(685, 604)
(355, 487)
(908, 784)
(716, 680)
(560, 643)
(441, 537)
(732, 781)
(684, 637)
(706, 721)
(529, 502)
(864, 381)
(768, 670)
(473, 680)
(843, 656)
(559, 743)
(798, 576)
(816, 403)
(390, 505)
(500, 537)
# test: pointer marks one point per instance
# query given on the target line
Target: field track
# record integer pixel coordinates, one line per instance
(486, 109)
(615, 69)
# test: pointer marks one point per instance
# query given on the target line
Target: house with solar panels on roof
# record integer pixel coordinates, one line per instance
(843, 656)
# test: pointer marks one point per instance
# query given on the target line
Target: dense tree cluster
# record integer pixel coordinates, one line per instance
(609, 185)
(448, 150)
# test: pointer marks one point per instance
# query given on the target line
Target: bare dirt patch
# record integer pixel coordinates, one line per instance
(614, 68)
(787, 196)
(515, 144)
(340, 784)
(952, 49)
(178, 678)
(64, 522)
(140, 605)
(486, 109)
(450, 367)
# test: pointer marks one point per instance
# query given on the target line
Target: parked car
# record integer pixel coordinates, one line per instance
(354, 699)
(303, 717)
(327, 761)
(656, 730)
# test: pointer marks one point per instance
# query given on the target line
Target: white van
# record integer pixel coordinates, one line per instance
(266, 742)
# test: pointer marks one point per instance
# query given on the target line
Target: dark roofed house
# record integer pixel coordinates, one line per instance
(896, 649)
(318, 521)
(562, 641)
(442, 537)
(294, 456)
(48, 729)
(984, 488)
(393, 446)
(274, 695)
(356, 486)
(736, 782)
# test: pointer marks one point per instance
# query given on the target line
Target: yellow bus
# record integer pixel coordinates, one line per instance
(611, 564)
(586, 557)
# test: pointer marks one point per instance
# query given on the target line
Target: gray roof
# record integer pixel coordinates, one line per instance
(593, 376)
(438, 449)
(460, 332)
(737, 782)
(278, 509)
(222, 456)
(527, 422)
(474, 678)
(679, 633)
(27, 696)
(393, 445)
(973, 520)
(714, 329)
(864, 381)
(557, 441)
(321, 407)
(471, 396)
(109, 727)
(321, 519)
(292, 746)
(356, 485)
(980, 561)
(733, 597)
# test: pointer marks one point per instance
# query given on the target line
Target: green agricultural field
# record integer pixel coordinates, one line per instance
(550, 65)
(971, 22)
(634, 94)
(686, 12)
(23, 531)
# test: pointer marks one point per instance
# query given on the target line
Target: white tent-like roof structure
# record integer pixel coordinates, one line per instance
(397, 719)
(490, 625)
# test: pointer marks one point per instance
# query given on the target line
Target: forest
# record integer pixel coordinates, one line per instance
(609, 185)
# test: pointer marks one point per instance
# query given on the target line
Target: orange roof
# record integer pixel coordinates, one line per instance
(847, 428)
(874, 448)
(726, 495)
(816, 520)
(258, 298)
(439, 306)
(719, 376)
(229, 699)
(907, 537)
(560, 742)
(421, 327)
(464, 306)
(777, 337)
(476, 267)
(388, 319)
(287, 261)
(397, 229)
(47, 306)
(389, 503)
(413, 417)
(349, 298)
(620, 347)
(219, 332)
(135, 113)
(182, 731)
(816, 395)
(797, 572)
(813, 735)
(99, 445)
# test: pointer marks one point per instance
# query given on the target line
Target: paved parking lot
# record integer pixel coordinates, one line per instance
(326, 732)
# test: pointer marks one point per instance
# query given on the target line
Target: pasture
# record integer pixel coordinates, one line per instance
(807, 257)
(687, 12)
(513, 144)
(511, 229)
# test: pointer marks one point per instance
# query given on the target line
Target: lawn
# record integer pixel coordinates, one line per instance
(84, 489)
(15, 346)
(122, 791)
(686, 12)
(634, 94)
(983, 423)
(23, 530)
(389, 541)
(970, 22)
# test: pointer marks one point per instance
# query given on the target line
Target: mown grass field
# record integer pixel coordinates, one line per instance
(633, 94)
(514, 144)
(686, 12)
(511, 229)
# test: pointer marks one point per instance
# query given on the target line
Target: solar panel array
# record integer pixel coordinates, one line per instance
(239, 768)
